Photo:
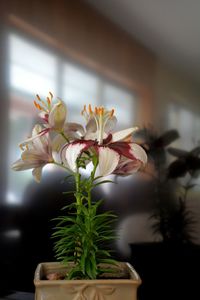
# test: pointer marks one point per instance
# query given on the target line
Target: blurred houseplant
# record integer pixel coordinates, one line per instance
(82, 235)
(163, 191)
(186, 168)
(173, 220)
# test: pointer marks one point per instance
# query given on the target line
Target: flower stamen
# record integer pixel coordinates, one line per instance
(90, 109)
(46, 106)
(112, 113)
(48, 101)
(37, 105)
(84, 110)
(51, 95)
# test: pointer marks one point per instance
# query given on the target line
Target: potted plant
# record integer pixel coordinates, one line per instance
(85, 269)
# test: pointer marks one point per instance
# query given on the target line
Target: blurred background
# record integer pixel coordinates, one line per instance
(141, 57)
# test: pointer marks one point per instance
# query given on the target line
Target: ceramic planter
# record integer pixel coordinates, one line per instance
(100, 289)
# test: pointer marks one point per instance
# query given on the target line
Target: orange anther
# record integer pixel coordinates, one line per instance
(39, 107)
(96, 110)
(35, 103)
(51, 95)
(90, 108)
(38, 97)
(112, 112)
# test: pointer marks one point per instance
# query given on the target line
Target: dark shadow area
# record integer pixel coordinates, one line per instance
(168, 271)
(26, 232)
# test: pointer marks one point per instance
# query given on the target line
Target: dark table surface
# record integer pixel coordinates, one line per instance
(18, 296)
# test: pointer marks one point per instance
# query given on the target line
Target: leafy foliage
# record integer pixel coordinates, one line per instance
(83, 234)
(186, 162)
(175, 225)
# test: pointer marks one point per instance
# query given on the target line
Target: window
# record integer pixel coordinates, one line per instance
(122, 101)
(33, 69)
(188, 125)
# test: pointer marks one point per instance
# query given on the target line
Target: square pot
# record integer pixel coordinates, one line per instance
(99, 289)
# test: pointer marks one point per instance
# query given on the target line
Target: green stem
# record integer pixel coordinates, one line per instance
(78, 181)
(92, 176)
(64, 136)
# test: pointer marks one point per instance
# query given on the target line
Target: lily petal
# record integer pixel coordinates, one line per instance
(58, 142)
(21, 165)
(73, 151)
(108, 161)
(44, 116)
(91, 136)
(122, 134)
(91, 125)
(123, 148)
(40, 142)
(130, 150)
(74, 127)
(57, 116)
(34, 155)
(138, 152)
(63, 155)
(127, 167)
(31, 139)
(110, 124)
(37, 172)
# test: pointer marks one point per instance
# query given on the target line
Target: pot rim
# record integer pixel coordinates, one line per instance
(135, 278)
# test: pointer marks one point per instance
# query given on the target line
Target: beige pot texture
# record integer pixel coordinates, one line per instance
(99, 289)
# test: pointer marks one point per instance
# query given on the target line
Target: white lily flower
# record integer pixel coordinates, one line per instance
(54, 119)
(36, 156)
(53, 114)
(115, 151)
(100, 122)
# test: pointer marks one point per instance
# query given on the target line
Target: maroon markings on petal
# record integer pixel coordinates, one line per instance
(122, 148)
(45, 118)
(127, 167)
(64, 147)
(88, 143)
(108, 139)
(43, 131)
